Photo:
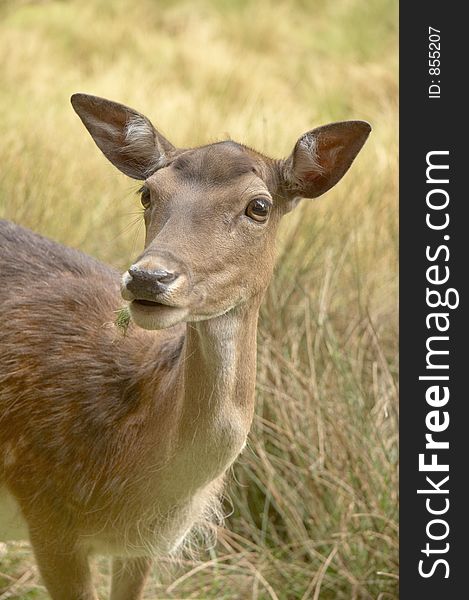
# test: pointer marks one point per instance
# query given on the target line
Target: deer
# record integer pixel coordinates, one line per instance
(119, 443)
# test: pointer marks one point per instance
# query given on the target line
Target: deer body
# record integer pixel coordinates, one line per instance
(138, 404)
(119, 444)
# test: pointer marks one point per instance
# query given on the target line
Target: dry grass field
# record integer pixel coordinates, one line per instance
(312, 501)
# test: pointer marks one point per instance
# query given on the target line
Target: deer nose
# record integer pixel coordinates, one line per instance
(146, 284)
(160, 276)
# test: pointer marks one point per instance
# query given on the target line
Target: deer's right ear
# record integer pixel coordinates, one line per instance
(125, 137)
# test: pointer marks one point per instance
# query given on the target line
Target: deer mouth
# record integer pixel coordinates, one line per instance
(151, 314)
(142, 302)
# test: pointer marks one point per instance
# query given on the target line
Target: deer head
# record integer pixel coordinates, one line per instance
(211, 213)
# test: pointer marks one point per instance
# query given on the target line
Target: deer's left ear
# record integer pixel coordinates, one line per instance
(321, 157)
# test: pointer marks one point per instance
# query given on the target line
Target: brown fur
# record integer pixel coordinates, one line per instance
(119, 444)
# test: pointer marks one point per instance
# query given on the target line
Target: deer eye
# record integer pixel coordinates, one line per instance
(144, 196)
(258, 209)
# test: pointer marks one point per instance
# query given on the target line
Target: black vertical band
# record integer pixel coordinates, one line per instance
(434, 259)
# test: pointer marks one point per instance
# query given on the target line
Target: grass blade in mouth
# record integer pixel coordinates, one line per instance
(123, 319)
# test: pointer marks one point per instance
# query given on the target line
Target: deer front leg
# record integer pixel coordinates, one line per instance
(128, 577)
(64, 569)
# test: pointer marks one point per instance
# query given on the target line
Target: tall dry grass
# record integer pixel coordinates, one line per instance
(314, 496)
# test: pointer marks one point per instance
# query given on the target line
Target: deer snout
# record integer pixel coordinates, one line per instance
(148, 284)
(159, 277)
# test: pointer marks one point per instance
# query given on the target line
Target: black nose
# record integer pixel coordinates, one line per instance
(158, 275)
(148, 283)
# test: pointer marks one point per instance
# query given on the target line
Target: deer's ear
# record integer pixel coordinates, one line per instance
(125, 137)
(321, 157)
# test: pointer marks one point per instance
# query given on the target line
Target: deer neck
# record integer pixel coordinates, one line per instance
(220, 365)
(219, 375)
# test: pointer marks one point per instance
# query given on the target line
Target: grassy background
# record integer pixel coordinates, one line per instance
(315, 494)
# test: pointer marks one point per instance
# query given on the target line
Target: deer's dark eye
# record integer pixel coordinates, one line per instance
(144, 196)
(259, 209)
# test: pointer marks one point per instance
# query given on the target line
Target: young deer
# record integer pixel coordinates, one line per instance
(118, 444)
